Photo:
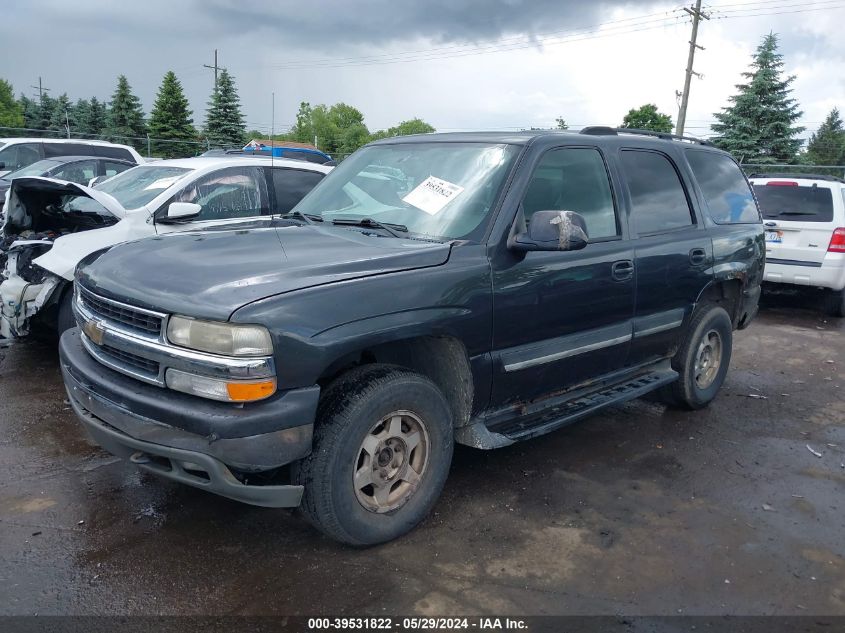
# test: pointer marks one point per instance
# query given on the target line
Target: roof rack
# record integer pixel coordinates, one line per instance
(600, 130)
(805, 176)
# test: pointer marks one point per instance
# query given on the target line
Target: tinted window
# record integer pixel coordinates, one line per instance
(109, 151)
(658, 201)
(19, 155)
(68, 149)
(725, 189)
(291, 185)
(573, 179)
(111, 168)
(236, 192)
(791, 202)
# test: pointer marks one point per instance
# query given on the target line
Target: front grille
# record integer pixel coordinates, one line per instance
(120, 313)
(120, 357)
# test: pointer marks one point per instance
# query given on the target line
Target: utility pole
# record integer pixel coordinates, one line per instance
(697, 15)
(215, 68)
(41, 90)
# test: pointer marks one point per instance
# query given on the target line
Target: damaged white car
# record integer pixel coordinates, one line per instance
(51, 225)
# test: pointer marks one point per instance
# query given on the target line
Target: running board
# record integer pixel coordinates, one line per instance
(581, 403)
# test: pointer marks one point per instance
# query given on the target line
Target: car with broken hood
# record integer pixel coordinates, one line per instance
(50, 225)
(481, 288)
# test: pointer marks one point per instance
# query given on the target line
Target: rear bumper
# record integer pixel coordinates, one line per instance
(829, 274)
(186, 439)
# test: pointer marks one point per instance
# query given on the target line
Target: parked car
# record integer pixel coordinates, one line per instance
(50, 225)
(79, 169)
(17, 153)
(475, 288)
(805, 233)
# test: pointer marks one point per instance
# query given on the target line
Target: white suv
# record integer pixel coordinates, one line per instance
(50, 225)
(804, 217)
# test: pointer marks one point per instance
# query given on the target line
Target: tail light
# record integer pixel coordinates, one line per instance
(837, 242)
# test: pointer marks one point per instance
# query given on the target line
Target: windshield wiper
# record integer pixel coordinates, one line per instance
(369, 223)
(308, 218)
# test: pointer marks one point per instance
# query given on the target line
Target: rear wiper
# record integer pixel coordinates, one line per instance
(308, 218)
(393, 229)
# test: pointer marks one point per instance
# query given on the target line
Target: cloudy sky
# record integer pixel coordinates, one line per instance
(459, 64)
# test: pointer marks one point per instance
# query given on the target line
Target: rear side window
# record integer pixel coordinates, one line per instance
(108, 151)
(291, 185)
(787, 200)
(19, 156)
(726, 192)
(658, 200)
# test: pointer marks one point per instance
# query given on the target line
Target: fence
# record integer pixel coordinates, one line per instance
(138, 142)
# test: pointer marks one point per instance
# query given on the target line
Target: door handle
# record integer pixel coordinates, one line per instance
(698, 257)
(622, 269)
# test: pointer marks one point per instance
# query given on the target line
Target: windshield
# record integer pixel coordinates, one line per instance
(795, 203)
(133, 188)
(436, 190)
(36, 169)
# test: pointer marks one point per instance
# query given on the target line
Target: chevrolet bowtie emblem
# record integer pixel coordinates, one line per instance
(94, 331)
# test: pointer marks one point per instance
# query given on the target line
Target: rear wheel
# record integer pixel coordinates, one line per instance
(834, 303)
(382, 450)
(703, 359)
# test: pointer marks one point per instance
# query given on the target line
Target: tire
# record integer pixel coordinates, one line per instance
(357, 432)
(699, 381)
(65, 319)
(834, 303)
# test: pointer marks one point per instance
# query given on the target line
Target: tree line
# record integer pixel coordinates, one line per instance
(758, 126)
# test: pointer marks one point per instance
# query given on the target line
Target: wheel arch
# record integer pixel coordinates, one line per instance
(441, 358)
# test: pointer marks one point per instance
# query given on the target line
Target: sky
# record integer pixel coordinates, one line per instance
(458, 64)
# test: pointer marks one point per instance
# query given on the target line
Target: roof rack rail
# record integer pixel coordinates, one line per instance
(796, 175)
(600, 130)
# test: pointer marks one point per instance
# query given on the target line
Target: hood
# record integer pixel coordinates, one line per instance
(30, 196)
(210, 274)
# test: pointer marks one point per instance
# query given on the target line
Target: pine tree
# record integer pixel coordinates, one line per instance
(29, 107)
(224, 124)
(171, 119)
(81, 115)
(125, 118)
(827, 145)
(98, 117)
(11, 112)
(44, 115)
(61, 118)
(758, 126)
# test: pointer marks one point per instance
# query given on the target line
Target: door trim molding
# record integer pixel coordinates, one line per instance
(551, 350)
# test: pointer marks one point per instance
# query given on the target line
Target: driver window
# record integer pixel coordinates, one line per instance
(574, 179)
(236, 192)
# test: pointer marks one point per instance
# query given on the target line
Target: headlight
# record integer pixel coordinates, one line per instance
(227, 339)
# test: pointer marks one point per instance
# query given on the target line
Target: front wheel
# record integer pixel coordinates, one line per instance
(382, 449)
(703, 359)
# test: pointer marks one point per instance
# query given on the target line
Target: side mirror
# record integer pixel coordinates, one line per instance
(182, 211)
(552, 231)
(96, 180)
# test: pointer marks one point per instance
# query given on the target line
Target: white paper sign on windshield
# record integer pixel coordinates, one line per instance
(162, 183)
(432, 194)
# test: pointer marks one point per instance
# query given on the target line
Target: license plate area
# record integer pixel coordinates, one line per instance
(774, 237)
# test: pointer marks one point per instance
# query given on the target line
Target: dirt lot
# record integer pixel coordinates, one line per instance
(641, 510)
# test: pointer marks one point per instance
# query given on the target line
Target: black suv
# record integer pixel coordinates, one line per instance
(476, 288)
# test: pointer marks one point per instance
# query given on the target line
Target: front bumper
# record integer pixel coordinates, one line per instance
(186, 439)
